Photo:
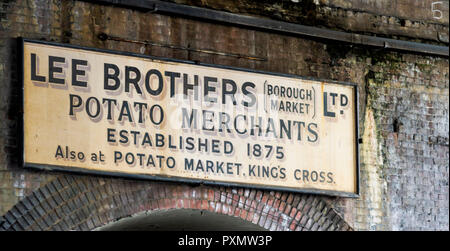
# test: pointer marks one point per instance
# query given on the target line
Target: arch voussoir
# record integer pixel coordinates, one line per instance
(72, 202)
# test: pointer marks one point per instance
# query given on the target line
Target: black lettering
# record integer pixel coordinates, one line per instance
(117, 156)
(313, 132)
(172, 76)
(123, 136)
(190, 143)
(236, 124)
(300, 124)
(135, 136)
(208, 119)
(215, 146)
(330, 177)
(199, 166)
(282, 173)
(224, 122)
(333, 95)
(34, 75)
(147, 140)
(74, 104)
(161, 114)
(159, 140)
(160, 82)
(125, 111)
(344, 100)
(219, 167)
(248, 94)
(140, 110)
(325, 106)
(254, 125)
(52, 69)
(188, 164)
(187, 86)
(127, 158)
(109, 104)
(111, 76)
(265, 171)
(203, 145)
(59, 152)
(172, 162)
(207, 89)
(134, 81)
(322, 177)
(286, 130)
(110, 133)
(251, 170)
(209, 166)
(305, 175)
(76, 72)
(226, 92)
(150, 161)
(192, 118)
(88, 107)
(272, 172)
(229, 168)
(228, 147)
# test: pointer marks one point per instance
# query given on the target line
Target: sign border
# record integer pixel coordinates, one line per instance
(20, 44)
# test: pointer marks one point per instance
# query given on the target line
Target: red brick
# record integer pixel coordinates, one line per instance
(250, 215)
(204, 204)
(186, 193)
(210, 194)
(298, 215)
(243, 214)
(237, 212)
(218, 207)
(270, 201)
(187, 203)
(216, 195)
(287, 209)
(277, 204)
(293, 212)
(282, 206)
(205, 194)
(212, 206)
(258, 195)
(265, 198)
(225, 208)
(255, 219)
(179, 203)
(231, 210)
(198, 204)
(290, 198)
(241, 201)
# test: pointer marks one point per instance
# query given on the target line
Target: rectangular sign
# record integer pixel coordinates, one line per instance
(113, 113)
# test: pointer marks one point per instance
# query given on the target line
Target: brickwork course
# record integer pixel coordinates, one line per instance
(403, 112)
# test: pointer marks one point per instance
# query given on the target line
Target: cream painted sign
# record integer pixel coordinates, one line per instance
(121, 114)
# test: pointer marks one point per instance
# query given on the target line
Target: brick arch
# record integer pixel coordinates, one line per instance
(72, 202)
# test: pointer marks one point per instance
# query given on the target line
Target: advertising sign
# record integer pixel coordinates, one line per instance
(123, 114)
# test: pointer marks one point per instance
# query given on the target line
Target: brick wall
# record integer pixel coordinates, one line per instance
(403, 96)
(402, 19)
